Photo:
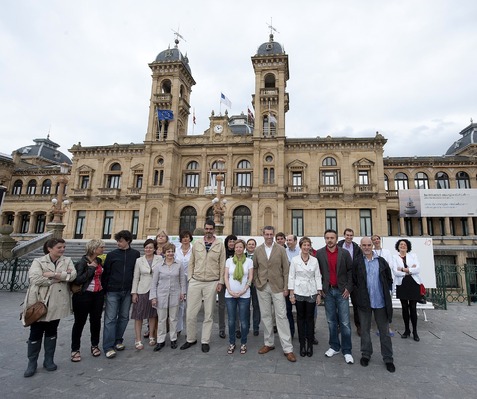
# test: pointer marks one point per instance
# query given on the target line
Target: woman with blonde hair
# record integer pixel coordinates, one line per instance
(89, 301)
(141, 286)
(49, 276)
(162, 238)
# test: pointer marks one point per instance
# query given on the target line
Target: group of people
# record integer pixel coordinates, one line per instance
(168, 286)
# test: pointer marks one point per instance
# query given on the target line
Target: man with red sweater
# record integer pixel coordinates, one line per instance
(336, 269)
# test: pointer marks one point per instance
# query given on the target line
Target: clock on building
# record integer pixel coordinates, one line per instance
(218, 128)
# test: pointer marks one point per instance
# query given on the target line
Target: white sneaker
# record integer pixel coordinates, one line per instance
(331, 352)
(349, 359)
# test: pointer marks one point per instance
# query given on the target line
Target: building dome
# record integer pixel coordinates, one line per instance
(469, 137)
(173, 55)
(45, 151)
(270, 48)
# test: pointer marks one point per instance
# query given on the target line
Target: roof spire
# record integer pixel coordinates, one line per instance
(177, 35)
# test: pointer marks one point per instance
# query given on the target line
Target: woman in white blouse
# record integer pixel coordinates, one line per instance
(406, 268)
(304, 284)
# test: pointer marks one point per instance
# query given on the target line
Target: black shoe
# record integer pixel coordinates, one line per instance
(238, 334)
(415, 336)
(187, 345)
(302, 350)
(159, 346)
(174, 344)
(309, 348)
(205, 348)
(255, 333)
(222, 334)
(390, 367)
(406, 334)
(364, 361)
(315, 341)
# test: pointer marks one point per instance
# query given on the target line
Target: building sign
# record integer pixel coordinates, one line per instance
(438, 203)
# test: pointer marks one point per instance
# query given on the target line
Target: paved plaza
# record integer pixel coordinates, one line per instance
(442, 365)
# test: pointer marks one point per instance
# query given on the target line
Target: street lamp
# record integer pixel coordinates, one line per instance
(218, 203)
(59, 205)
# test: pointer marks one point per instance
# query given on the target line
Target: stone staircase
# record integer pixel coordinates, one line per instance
(75, 249)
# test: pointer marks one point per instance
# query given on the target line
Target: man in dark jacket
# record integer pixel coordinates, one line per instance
(355, 252)
(372, 282)
(335, 266)
(117, 282)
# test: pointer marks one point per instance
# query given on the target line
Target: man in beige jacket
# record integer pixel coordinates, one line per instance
(270, 273)
(206, 278)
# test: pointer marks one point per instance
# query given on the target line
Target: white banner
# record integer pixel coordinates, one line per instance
(438, 203)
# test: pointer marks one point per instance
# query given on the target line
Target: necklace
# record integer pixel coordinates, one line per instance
(305, 261)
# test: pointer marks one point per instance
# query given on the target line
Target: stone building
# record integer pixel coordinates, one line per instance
(299, 185)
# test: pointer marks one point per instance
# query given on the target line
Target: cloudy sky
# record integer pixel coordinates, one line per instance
(79, 70)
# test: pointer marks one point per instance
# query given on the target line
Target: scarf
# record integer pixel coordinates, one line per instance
(238, 272)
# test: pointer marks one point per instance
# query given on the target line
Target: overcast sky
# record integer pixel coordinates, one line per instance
(79, 70)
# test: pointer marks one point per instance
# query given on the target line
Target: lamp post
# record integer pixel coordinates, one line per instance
(58, 208)
(218, 204)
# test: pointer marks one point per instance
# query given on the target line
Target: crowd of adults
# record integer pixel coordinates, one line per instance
(169, 285)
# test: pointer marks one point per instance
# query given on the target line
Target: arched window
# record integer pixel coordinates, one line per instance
(242, 220)
(244, 164)
(463, 180)
(401, 181)
(442, 180)
(421, 180)
(166, 86)
(210, 213)
(31, 188)
(46, 187)
(270, 81)
(17, 187)
(329, 161)
(191, 179)
(113, 179)
(269, 125)
(243, 178)
(188, 219)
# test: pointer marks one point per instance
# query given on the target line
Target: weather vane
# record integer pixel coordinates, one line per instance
(270, 26)
(178, 35)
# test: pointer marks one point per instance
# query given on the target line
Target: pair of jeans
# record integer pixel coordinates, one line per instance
(116, 318)
(243, 305)
(381, 318)
(84, 304)
(255, 308)
(337, 310)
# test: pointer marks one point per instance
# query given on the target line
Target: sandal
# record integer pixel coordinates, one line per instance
(139, 345)
(75, 356)
(231, 349)
(95, 351)
(152, 341)
(243, 349)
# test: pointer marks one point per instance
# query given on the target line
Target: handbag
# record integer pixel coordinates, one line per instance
(35, 312)
(75, 288)
(422, 291)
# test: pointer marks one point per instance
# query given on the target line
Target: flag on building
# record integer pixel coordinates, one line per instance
(225, 100)
(193, 117)
(250, 117)
(165, 114)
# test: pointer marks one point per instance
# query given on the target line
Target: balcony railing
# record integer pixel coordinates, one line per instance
(212, 190)
(242, 190)
(134, 192)
(189, 190)
(296, 191)
(107, 193)
(80, 193)
(331, 189)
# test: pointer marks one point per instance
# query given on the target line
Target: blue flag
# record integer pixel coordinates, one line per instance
(165, 115)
